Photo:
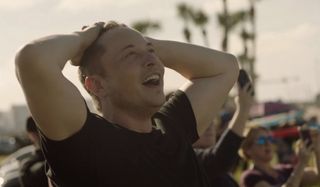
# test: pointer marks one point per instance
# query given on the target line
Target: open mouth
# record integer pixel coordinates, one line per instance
(152, 80)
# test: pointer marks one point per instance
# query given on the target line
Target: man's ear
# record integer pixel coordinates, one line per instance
(94, 84)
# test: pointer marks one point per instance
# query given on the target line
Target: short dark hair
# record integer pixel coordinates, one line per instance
(90, 63)
(31, 125)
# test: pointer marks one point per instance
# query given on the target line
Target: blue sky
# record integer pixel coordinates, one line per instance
(288, 38)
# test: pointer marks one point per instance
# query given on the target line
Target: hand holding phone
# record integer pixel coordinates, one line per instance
(305, 135)
(243, 78)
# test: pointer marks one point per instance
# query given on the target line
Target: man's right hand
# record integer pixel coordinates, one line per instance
(88, 35)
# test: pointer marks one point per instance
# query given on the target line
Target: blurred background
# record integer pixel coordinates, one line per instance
(276, 41)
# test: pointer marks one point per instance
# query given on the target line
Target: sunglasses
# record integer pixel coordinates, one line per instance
(263, 140)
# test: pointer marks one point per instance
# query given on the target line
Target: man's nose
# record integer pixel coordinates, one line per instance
(150, 60)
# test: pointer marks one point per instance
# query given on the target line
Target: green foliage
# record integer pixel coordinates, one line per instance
(184, 11)
(146, 26)
(231, 20)
(199, 18)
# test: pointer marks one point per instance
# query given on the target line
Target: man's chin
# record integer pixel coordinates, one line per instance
(156, 106)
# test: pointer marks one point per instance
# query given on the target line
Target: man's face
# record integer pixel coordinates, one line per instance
(134, 73)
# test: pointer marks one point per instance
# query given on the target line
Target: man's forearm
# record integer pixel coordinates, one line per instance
(194, 61)
(296, 176)
(238, 121)
(211, 73)
(52, 51)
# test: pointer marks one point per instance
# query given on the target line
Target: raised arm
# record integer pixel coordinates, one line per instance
(220, 159)
(55, 103)
(243, 104)
(211, 75)
(311, 175)
(296, 177)
(298, 173)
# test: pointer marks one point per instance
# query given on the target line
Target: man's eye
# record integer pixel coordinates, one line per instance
(131, 54)
(151, 50)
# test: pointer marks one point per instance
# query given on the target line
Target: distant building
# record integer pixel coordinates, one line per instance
(13, 121)
(18, 116)
(270, 108)
(5, 122)
(318, 99)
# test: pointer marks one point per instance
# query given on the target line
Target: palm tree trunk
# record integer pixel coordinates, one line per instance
(205, 37)
(254, 46)
(226, 26)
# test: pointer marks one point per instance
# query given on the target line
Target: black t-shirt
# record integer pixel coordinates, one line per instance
(253, 176)
(105, 154)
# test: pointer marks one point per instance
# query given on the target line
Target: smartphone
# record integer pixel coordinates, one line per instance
(305, 135)
(243, 78)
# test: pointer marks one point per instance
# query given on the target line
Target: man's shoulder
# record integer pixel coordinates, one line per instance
(178, 101)
(95, 120)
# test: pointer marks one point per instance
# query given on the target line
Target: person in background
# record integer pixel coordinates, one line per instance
(258, 148)
(32, 171)
(218, 159)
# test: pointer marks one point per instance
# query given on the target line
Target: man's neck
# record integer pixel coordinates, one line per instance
(135, 121)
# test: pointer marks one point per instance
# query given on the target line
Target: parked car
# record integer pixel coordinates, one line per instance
(9, 168)
(7, 145)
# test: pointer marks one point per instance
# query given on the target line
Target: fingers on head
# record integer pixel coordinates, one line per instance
(97, 24)
(84, 27)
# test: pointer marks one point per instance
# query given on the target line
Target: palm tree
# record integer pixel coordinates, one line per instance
(201, 20)
(185, 14)
(245, 58)
(228, 22)
(146, 26)
(248, 57)
(253, 40)
(223, 20)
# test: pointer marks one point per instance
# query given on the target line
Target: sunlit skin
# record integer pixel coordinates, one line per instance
(128, 61)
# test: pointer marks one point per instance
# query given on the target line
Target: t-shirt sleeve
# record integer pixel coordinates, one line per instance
(65, 155)
(178, 109)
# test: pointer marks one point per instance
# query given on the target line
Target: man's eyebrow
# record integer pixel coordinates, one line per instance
(149, 44)
(127, 47)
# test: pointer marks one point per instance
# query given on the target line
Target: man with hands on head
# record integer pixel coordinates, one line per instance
(138, 140)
